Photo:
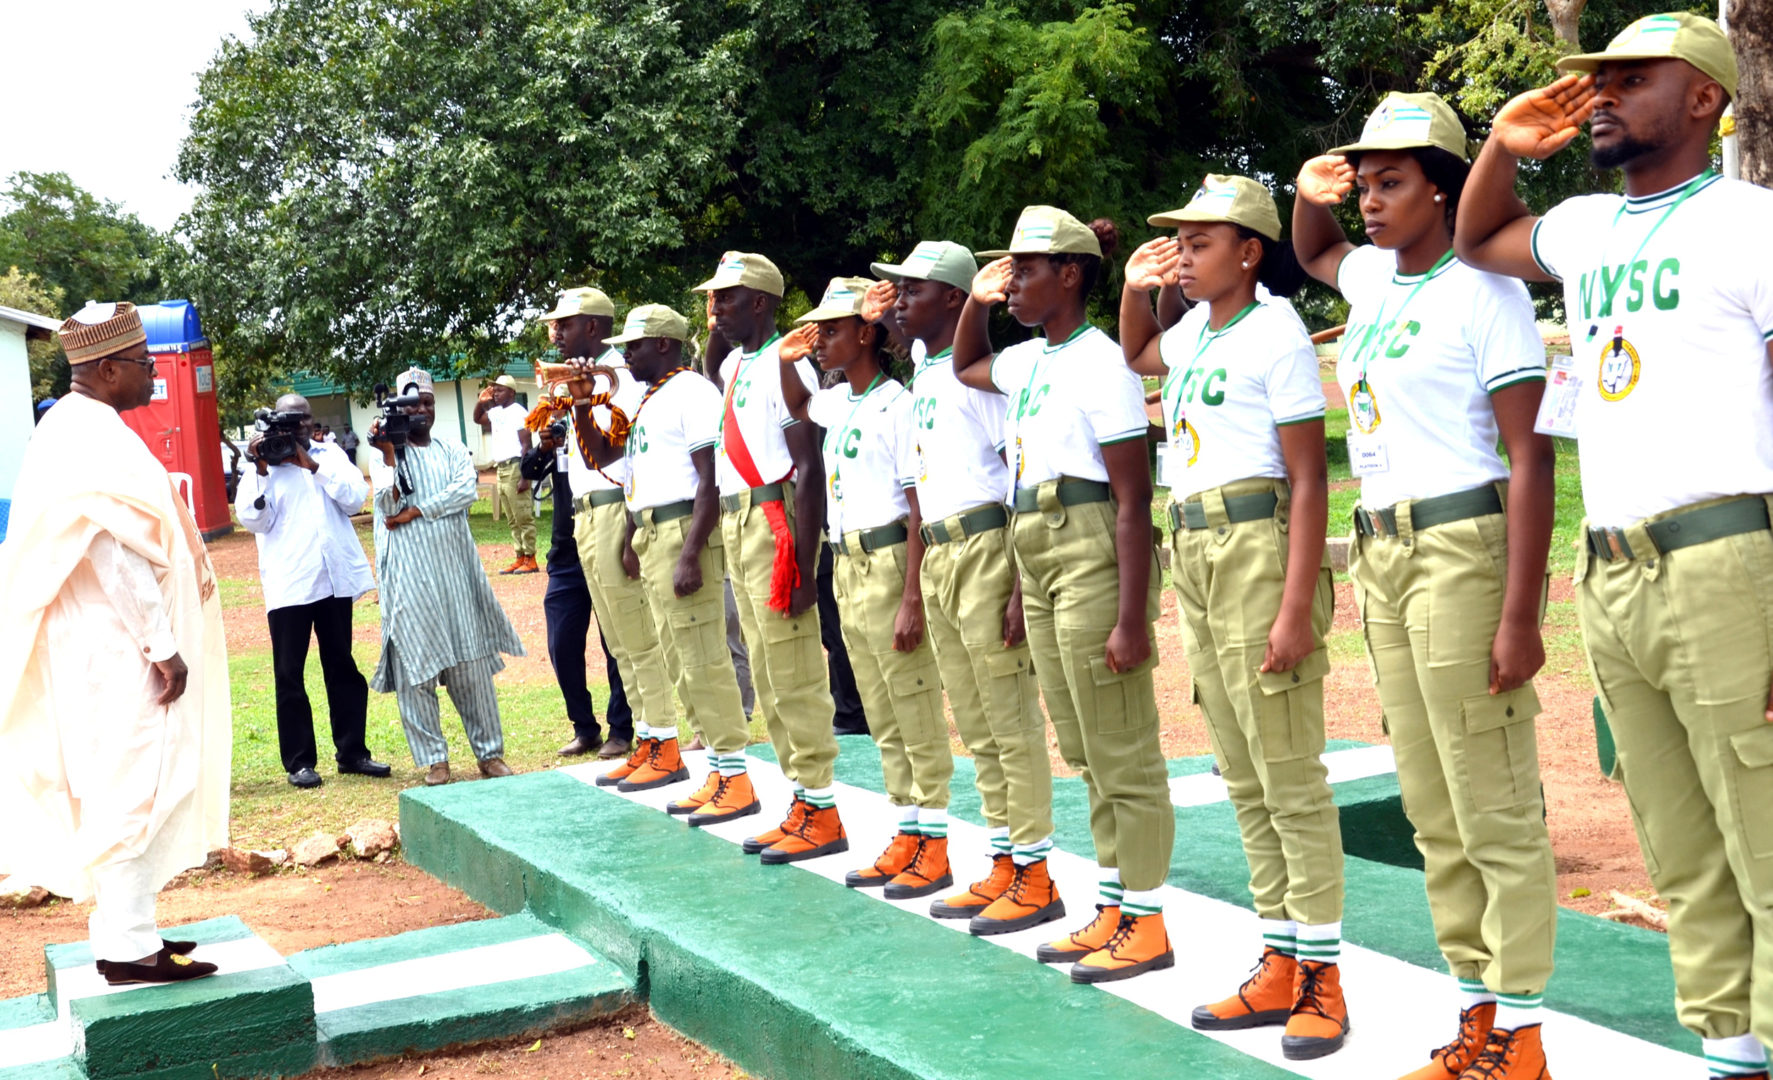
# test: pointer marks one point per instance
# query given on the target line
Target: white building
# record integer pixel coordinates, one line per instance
(16, 408)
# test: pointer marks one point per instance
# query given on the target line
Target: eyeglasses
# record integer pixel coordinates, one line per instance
(145, 361)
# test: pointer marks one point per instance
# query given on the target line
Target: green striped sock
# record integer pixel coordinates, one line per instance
(821, 798)
(908, 819)
(1320, 943)
(1474, 993)
(1111, 890)
(1729, 1058)
(933, 823)
(1516, 1011)
(1137, 902)
(1029, 854)
(731, 764)
(1000, 841)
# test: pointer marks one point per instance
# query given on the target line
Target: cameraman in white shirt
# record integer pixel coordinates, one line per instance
(312, 567)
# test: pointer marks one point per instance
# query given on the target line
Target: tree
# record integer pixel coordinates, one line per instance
(49, 366)
(88, 248)
(1751, 34)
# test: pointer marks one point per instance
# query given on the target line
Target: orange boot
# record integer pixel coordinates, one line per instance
(733, 798)
(1455, 1057)
(979, 894)
(694, 801)
(1031, 899)
(516, 566)
(797, 809)
(1080, 943)
(820, 833)
(643, 749)
(1510, 1055)
(1265, 998)
(891, 863)
(664, 766)
(1319, 1020)
(1139, 944)
(928, 872)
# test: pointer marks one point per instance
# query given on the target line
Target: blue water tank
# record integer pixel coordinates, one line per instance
(171, 325)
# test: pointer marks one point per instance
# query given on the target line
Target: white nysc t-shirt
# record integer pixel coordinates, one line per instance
(1066, 402)
(681, 417)
(755, 383)
(957, 433)
(582, 476)
(1670, 314)
(506, 421)
(1229, 392)
(870, 458)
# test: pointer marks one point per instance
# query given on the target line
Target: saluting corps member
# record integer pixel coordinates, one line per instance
(1670, 301)
(1449, 557)
(1082, 533)
(672, 496)
(771, 507)
(871, 514)
(972, 593)
(1244, 410)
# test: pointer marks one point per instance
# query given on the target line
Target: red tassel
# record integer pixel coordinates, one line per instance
(785, 574)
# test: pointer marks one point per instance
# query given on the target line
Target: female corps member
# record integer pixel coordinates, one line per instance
(1244, 411)
(871, 515)
(1438, 359)
(1082, 533)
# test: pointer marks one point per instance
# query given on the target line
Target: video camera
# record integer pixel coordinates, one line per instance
(396, 425)
(278, 432)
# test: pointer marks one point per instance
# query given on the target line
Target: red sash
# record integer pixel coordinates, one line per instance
(785, 573)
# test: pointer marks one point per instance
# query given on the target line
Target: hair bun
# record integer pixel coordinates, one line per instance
(1108, 235)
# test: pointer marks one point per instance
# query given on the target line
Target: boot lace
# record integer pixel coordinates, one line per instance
(1122, 934)
(1310, 999)
(910, 867)
(1020, 885)
(643, 753)
(1493, 1062)
(1082, 937)
(719, 790)
(1464, 1045)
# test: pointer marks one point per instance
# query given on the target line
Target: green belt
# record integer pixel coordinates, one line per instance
(1238, 508)
(766, 493)
(1427, 513)
(1677, 531)
(658, 515)
(1070, 492)
(601, 497)
(971, 523)
(874, 539)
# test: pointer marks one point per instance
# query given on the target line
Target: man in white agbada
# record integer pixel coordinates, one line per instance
(114, 724)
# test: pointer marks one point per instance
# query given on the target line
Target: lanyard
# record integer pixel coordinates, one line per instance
(837, 469)
(1692, 185)
(930, 362)
(1202, 342)
(745, 362)
(1364, 350)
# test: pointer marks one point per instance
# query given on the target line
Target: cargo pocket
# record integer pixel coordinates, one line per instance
(1289, 723)
(1501, 750)
(1009, 674)
(917, 699)
(699, 634)
(1115, 705)
(792, 649)
(1754, 788)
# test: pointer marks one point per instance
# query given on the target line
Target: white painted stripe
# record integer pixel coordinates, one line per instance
(242, 954)
(486, 965)
(1398, 1011)
(39, 1042)
(1359, 763)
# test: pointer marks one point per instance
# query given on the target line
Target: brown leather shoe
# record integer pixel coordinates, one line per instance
(438, 774)
(695, 743)
(163, 967)
(613, 748)
(493, 766)
(580, 745)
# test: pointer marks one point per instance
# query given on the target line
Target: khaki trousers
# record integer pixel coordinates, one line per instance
(523, 511)
(692, 631)
(1267, 728)
(1679, 648)
(787, 659)
(1106, 721)
(1467, 762)
(623, 615)
(991, 689)
(901, 692)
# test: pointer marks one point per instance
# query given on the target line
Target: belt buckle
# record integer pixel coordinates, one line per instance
(1178, 519)
(1613, 543)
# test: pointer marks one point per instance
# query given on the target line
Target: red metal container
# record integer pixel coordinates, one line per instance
(181, 425)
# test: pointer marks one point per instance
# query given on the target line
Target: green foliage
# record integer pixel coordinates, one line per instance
(86, 248)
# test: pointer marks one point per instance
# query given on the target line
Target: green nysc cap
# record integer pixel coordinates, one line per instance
(933, 260)
(1048, 230)
(842, 299)
(1677, 35)
(1410, 121)
(1237, 200)
(652, 321)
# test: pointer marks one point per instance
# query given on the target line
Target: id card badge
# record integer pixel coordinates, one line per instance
(1563, 391)
(1367, 455)
(1163, 466)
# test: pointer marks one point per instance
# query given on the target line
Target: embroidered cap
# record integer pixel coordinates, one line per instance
(747, 269)
(652, 321)
(1677, 35)
(1237, 200)
(933, 260)
(1408, 121)
(100, 330)
(1048, 230)
(842, 299)
(416, 379)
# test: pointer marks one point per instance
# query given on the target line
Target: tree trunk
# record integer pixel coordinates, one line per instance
(1751, 33)
(1565, 15)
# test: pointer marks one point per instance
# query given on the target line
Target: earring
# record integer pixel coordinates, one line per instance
(1438, 198)
(1246, 266)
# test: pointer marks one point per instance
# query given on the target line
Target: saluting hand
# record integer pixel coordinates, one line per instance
(991, 284)
(710, 312)
(1325, 180)
(799, 343)
(878, 300)
(1155, 264)
(1539, 123)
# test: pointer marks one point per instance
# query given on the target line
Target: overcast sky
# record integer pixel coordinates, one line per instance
(102, 90)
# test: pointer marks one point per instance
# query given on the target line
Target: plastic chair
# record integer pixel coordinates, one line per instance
(181, 483)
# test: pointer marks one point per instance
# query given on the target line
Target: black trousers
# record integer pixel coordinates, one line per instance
(847, 717)
(347, 692)
(566, 608)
